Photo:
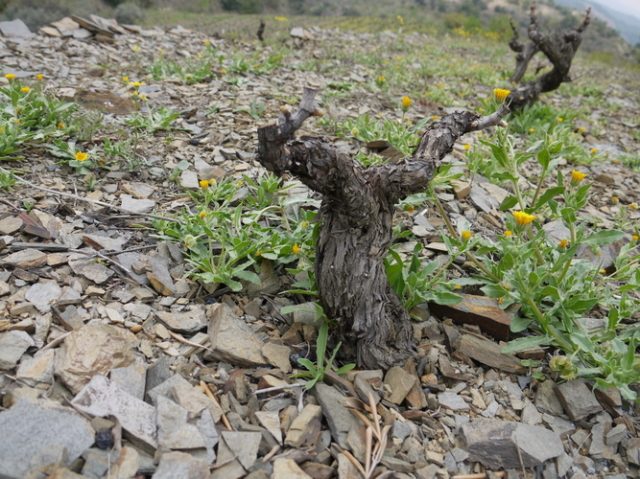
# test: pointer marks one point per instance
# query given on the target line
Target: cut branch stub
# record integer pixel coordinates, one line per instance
(559, 49)
(357, 209)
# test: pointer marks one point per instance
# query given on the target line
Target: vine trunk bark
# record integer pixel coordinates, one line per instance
(356, 214)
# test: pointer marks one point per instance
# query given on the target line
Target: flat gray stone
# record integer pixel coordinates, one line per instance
(184, 322)
(495, 443)
(27, 429)
(207, 428)
(131, 379)
(233, 340)
(44, 295)
(339, 418)
(136, 206)
(90, 269)
(452, 401)
(15, 28)
(174, 432)
(176, 464)
(25, 259)
(546, 399)
(38, 369)
(94, 349)
(102, 398)
(400, 382)
(12, 346)
(576, 398)
(242, 446)
(189, 180)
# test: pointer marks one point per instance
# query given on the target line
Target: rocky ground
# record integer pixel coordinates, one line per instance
(114, 363)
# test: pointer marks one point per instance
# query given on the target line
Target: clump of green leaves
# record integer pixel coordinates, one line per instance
(236, 224)
(316, 372)
(155, 119)
(29, 115)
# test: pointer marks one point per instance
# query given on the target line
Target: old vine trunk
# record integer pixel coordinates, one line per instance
(356, 214)
(559, 49)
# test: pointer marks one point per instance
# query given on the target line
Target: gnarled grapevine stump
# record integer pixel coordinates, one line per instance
(559, 49)
(356, 212)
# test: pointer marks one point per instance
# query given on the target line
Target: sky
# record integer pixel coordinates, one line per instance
(630, 7)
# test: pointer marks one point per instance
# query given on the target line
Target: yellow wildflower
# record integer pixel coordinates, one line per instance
(60, 125)
(125, 79)
(143, 96)
(136, 48)
(466, 147)
(25, 89)
(582, 128)
(531, 130)
(409, 208)
(435, 117)
(406, 102)
(577, 176)
(39, 76)
(259, 253)
(355, 132)
(560, 119)
(207, 42)
(80, 156)
(204, 184)
(563, 243)
(635, 237)
(615, 160)
(633, 206)
(508, 233)
(202, 214)
(224, 70)
(603, 271)
(500, 93)
(466, 235)
(614, 199)
(10, 76)
(594, 150)
(135, 93)
(304, 224)
(523, 218)
(296, 249)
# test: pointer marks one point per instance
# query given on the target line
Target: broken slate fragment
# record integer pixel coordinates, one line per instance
(44, 295)
(478, 310)
(233, 340)
(495, 443)
(27, 258)
(93, 349)
(296, 436)
(576, 398)
(174, 432)
(242, 446)
(488, 353)
(12, 346)
(452, 401)
(133, 205)
(27, 429)
(102, 398)
(38, 369)
(89, 268)
(185, 322)
(176, 464)
(339, 418)
(400, 383)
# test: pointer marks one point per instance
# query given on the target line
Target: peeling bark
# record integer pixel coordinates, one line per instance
(559, 49)
(357, 211)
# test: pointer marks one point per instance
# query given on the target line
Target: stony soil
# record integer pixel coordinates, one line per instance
(125, 367)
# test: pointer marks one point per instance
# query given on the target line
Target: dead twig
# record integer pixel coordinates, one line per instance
(95, 202)
(210, 395)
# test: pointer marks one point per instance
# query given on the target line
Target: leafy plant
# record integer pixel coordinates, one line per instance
(316, 372)
(154, 120)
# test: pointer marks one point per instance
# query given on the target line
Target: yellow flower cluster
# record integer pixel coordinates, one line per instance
(523, 218)
(466, 235)
(80, 156)
(577, 176)
(500, 93)
(406, 102)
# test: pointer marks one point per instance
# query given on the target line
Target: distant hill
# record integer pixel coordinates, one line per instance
(627, 25)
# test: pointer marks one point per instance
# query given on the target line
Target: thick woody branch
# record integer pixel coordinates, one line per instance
(524, 54)
(560, 50)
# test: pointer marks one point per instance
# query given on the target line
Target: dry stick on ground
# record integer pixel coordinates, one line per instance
(95, 202)
(560, 50)
(524, 54)
(357, 209)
